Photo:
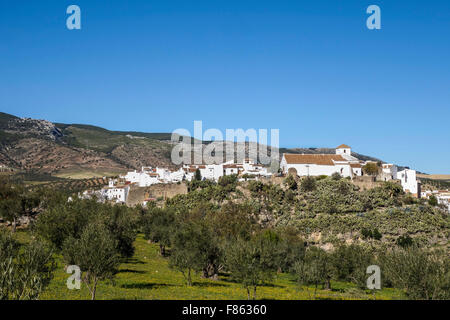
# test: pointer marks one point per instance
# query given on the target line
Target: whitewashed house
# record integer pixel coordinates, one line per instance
(142, 179)
(443, 198)
(117, 193)
(388, 171)
(356, 169)
(230, 169)
(207, 171)
(409, 181)
(215, 171)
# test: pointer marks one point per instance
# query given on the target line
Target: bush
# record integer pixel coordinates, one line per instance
(371, 234)
(228, 180)
(376, 234)
(290, 182)
(432, 201)
(404, 241)
(336, 176)
(308, 184)
(366, 233)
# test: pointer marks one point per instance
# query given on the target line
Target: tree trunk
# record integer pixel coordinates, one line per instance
(248, 293)
(14, 225)
(211, 272)
(189, 280)
(254, 292)
(94, 289)
(162, 250)
(327, 284)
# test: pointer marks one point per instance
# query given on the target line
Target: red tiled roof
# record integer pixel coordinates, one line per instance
(320, 159)
(343, 146)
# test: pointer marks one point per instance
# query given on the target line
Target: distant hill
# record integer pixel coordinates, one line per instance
(64, 149)
(81, 151)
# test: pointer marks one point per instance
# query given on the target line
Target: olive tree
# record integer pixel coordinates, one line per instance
(421, 274)
(157, 225)
(95, 252)
(250, 262)
(24, 272)
(314, 269)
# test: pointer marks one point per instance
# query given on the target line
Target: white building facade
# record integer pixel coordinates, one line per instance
(323, 164)
(116, 193)
(409, 181)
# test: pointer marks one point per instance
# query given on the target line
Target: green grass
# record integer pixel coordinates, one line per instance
(147, 276)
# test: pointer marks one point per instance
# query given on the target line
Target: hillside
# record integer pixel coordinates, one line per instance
(83, 151)
(73, 150)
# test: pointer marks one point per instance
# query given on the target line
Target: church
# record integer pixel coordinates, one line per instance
(323, 164)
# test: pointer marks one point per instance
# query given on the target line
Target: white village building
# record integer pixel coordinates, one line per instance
(114, 192)
(443, 198)
(346, 165)
(215, 171)
(388, 171)
(408, 180)
(323, 164)
(149, 176)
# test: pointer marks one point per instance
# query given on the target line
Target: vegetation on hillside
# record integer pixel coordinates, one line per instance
(321, 233)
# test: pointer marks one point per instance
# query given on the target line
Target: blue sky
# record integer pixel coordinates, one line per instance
(308, 68)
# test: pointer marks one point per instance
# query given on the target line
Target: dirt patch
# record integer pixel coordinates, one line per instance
(156, 191)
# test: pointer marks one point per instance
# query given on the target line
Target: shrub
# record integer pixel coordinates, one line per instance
(336, 176)
(432, 201)
(404, 241)
(376, 234)
(290, 182)
(228, 180)
(308, 184)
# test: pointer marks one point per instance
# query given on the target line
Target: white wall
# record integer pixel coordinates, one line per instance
(357, 171)
(346, 151)
(318, 170)
(408, 180)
